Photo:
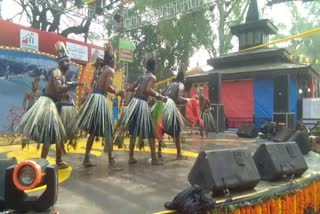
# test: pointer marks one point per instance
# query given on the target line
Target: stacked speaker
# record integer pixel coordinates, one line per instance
(290, 135)
(277, 133)
(233, 170)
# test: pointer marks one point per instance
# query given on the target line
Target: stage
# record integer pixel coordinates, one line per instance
(139, 188)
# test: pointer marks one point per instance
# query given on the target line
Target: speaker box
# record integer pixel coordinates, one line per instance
(214, 85)
(301, 138)
(285, 117)
(247, 130)
(277, 160)
(217, 170)
(283, 135)
(4, 164)
(281, 93)
(218, 114)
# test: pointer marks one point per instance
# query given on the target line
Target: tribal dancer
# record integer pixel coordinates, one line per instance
(172, 119)
(206, 115)
(42, 122)
(137, 117)
(32, 95)
(94, 116)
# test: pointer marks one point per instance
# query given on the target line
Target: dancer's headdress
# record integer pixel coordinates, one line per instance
(151, 60)
(182, 68)
(109, 53)
(96, 58)
(63, 52)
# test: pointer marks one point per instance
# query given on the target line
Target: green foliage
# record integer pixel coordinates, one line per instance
(305, 19)
(175, 40)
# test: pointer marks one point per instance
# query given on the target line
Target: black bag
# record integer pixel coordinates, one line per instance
(191, 201)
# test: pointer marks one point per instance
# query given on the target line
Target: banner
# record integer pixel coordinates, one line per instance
(29, 40)
(126, 48)
(79, 52)
(17, 71)
(17, 36)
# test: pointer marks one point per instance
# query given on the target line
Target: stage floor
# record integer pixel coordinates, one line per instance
(139, 188)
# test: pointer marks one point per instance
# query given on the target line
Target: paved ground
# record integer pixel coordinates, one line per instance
(140, 188)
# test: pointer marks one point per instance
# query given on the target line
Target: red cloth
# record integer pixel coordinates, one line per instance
(312, 88)
(238, 99)
(159, 129)
(206, 92)
(193, 91)
(193, 112)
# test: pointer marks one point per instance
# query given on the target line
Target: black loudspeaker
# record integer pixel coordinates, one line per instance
(281, 93)
(218, 114)
(4, 164)
(277, 160)
(214, 85)
(283, 135)
(285, 117)
(247, 130)
(301, 138)
(231, 169)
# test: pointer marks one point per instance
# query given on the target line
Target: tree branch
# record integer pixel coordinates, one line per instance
(78, 29)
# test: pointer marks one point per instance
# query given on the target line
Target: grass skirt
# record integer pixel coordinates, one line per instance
(68, 113)
(137, 118)
(95, 118)
(172, 119)
(208, 120)
(157, 119)
(42, 123)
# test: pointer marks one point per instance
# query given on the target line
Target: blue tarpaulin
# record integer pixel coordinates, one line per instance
(263, 100)
(294, 94)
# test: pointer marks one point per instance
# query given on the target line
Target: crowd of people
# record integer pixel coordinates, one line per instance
(52, 117)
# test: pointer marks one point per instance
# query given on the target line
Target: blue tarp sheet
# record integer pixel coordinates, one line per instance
(263, 100)
(294, 94)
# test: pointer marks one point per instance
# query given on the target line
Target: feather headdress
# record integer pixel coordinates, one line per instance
(96, 58)
(109, 53)
(109, 49)
(182, 68)
(151, 61)
(63, 52)
(150, 56)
